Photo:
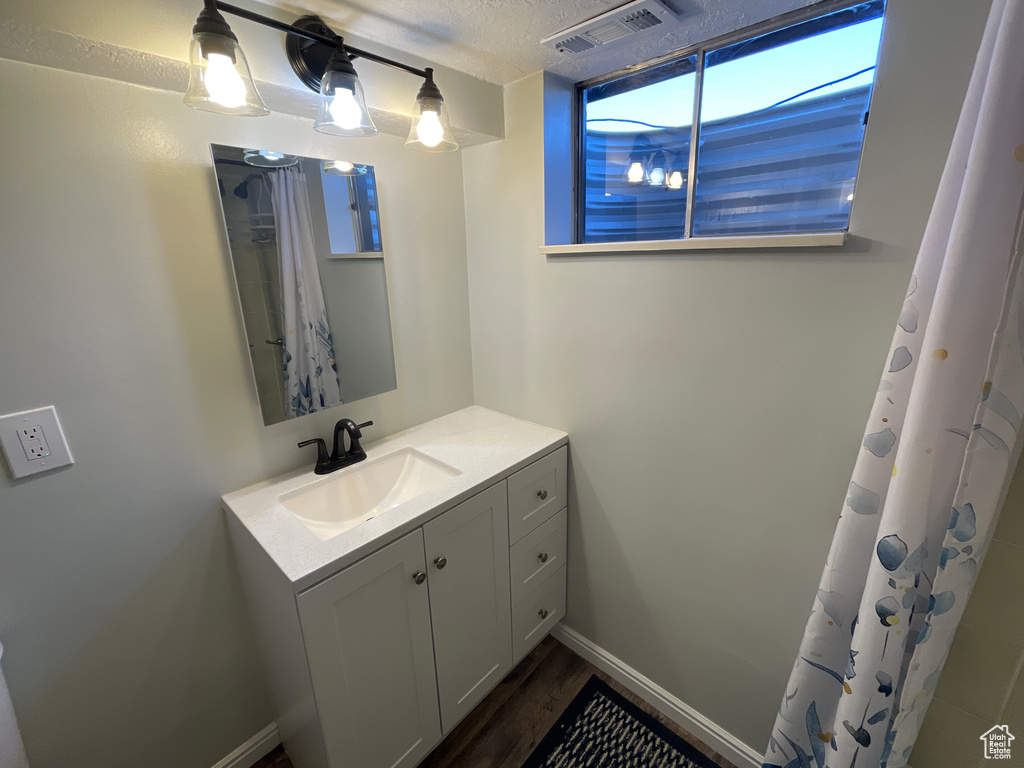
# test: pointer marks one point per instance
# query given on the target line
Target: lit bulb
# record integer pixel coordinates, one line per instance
(658, 176)
(345, 110)
(675, 180)
(341, 166)
(429, 130)
(635, 174)
(223, 82)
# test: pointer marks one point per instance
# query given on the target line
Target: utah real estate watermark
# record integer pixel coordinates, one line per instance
(997, 742)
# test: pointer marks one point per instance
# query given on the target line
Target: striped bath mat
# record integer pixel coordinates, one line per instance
(602, 729)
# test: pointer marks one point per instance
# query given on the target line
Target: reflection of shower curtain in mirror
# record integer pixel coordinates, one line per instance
(310, 373)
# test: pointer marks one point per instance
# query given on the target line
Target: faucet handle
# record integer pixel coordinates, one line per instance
(354, 448)
(321, 449)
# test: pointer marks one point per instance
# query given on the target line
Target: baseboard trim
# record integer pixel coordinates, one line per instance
(687, 717)
(255, 748)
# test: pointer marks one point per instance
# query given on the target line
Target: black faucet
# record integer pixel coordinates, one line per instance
(339, 456)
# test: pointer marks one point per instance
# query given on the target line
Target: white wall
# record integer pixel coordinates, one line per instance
(126, 639)
(715, 401)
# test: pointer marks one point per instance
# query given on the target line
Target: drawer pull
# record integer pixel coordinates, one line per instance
(542, 494)
(419, 577)
(543, 557)
(542, 613)
(440, 562)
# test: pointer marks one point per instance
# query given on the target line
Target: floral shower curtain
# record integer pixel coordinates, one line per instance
(937, 456)
(310, 373)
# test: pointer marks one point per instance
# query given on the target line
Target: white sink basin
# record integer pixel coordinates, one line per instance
(358, 493)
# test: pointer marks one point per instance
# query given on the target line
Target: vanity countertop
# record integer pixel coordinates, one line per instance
(483, 445)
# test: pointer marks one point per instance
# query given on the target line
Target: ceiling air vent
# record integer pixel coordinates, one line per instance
(622, 22)
(574, 44)
(641, 20)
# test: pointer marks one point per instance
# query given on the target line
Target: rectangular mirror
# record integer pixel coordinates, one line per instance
(307, 256)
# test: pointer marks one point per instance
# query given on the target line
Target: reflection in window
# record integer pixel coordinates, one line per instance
(782, 122)
(637, 155)
(782, 118)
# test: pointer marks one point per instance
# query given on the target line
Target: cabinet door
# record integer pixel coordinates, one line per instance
(470, 603)
(367, 632)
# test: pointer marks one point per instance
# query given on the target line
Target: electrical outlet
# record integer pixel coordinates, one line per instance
(34, 442)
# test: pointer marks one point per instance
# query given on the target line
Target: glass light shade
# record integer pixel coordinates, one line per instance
(341, 168)
(262, 158)
(635, 174)
(431, 129)
(675, 180)
(343, 109)
(219, 79)
(657, 176)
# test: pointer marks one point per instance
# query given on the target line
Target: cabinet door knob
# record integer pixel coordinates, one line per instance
(543, 557)
(542, 613)
(419, 577)
(440, 562)
(542, 494)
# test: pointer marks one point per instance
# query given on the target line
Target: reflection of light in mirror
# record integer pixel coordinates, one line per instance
(657, 176)
(262, 158)
(341, 168)
(223, 82)
(635, 174)
(675, 180)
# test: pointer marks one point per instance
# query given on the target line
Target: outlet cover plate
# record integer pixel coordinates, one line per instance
(53, 439)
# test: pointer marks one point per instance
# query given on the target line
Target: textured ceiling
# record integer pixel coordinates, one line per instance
(499, 40)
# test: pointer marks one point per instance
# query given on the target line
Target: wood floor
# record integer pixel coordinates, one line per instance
(506, 726)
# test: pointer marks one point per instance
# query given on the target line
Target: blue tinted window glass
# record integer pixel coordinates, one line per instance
(782, 122)
(636, 155)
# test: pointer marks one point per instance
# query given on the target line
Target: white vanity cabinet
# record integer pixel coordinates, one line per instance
(435, 600)
(378, 641)
(470, 608)
(371, 659)
(537, 531)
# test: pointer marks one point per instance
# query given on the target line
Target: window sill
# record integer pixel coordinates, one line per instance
(736, 243)
(362, 255)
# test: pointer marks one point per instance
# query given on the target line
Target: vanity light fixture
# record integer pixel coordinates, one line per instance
(343, 109)
(431, 129)
(218, 78)
(220, 81)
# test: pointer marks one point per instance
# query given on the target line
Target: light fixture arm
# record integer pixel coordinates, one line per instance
(330, 41)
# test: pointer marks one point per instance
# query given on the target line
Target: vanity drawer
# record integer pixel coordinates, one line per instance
(533, 618)
(537, 555)
(536, 493)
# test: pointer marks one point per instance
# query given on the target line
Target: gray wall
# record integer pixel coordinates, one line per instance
(715, 401)
(126, 640)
